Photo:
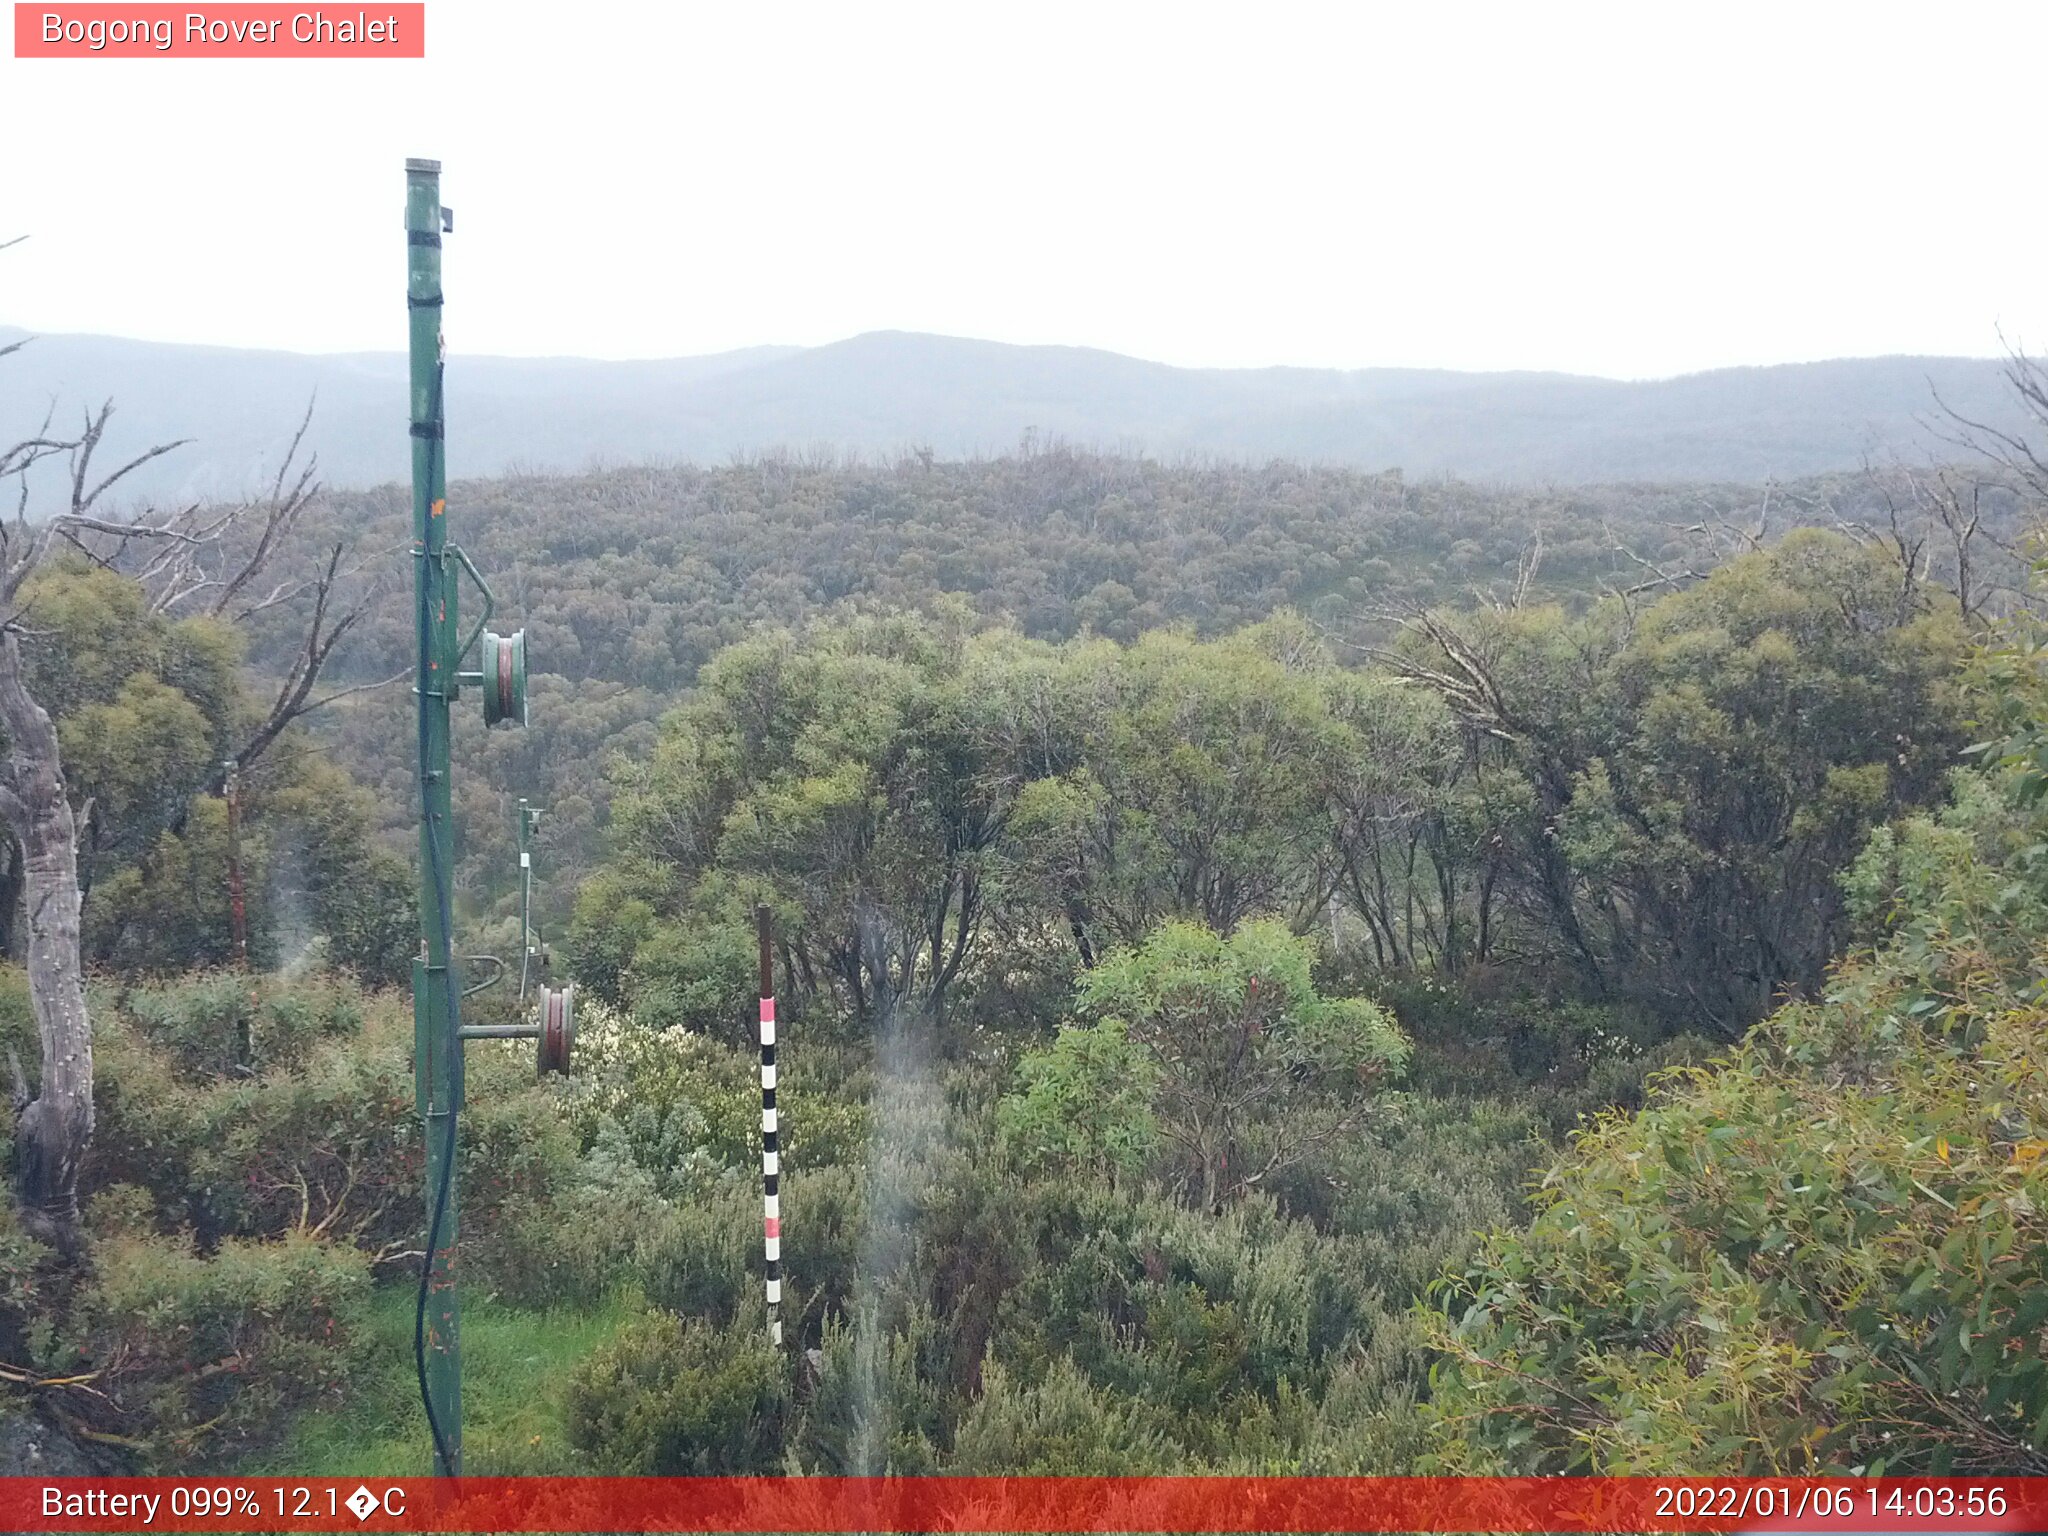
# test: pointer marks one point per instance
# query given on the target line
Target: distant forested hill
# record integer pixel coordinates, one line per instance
(891, 392)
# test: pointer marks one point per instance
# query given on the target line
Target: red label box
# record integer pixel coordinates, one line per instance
(228, 31)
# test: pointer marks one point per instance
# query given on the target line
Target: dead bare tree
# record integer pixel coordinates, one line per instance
(178, 557)
(1938, 529)
(1954, 500)
(2012, 450)
(326, 624)
(1527, 566)
(1710, 542)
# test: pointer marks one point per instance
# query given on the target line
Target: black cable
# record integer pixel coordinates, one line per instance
(446, 1182)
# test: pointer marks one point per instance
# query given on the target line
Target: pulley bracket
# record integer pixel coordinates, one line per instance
(504, 678)
(557, 1028)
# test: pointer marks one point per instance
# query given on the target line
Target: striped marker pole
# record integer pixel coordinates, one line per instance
(771, 1152)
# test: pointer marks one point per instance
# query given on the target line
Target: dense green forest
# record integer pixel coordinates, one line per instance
(1284, 970)
(629, 581)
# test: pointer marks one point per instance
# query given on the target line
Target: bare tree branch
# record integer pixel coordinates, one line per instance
(343, 693)
(281, 513)
(2029, 381)
(324, 630)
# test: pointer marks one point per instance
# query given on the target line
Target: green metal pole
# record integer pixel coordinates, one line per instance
(437, 1050)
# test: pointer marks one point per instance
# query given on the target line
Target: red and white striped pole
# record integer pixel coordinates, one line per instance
(771, 1152)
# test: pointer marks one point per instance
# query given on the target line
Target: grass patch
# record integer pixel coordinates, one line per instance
(514, 1366)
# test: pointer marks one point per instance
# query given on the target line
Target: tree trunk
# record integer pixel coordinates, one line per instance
(55, 1128)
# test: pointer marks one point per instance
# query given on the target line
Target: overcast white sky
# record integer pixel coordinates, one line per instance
(1635, 190)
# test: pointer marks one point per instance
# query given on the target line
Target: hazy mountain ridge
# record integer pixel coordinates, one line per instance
(888, 391)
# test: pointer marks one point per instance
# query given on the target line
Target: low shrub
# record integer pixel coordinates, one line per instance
(328, 1145)
(675, 1398)
(877, 1403)
(702, 1259)
(208, 1357)
(1062, 1425)
(222, 1023)
(824, 1211)
(570, 1250)
(25, 1303)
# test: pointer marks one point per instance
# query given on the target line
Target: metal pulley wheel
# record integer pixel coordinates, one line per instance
(557, 1028)
(504, 673)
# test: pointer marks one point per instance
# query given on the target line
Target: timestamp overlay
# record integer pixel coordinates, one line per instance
(1162, 1504)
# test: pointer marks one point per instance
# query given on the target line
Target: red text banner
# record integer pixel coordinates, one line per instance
(228, 31)
(1163, 1504)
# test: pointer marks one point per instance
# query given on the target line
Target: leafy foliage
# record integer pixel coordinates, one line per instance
(1085, 1101)
(145, 708)
(1247, 1068)
(1824, 1252)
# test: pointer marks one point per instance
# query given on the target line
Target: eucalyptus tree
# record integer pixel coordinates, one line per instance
(1700, 772)
(1199, 785)
(852, 776)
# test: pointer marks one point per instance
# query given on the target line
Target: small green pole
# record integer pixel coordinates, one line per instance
(529, 940)
(437, 1050)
